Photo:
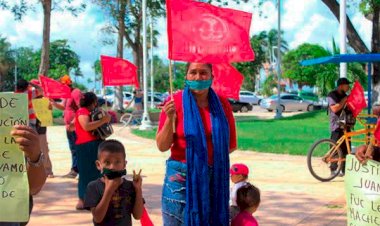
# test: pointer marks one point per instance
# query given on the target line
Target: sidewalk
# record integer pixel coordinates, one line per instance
(290, 195)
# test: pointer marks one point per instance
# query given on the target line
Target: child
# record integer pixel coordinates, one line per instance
(239, 175)
(248, 200)
(111, 198)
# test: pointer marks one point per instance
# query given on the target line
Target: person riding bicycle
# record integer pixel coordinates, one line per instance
(336, 103)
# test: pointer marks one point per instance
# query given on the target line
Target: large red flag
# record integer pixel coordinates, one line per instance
(200, 32)
(54, 89)
(117, 72)
(227, 80)
(356, 100)
(145, 219)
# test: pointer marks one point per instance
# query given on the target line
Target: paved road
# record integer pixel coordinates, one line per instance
(290, 196)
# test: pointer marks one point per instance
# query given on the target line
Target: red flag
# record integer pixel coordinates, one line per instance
(117, 72)
(145, 219)
(200, 32)
(53, 88)
(356, 100)
(227, 80)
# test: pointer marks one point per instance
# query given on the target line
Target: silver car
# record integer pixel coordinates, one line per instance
(288, 102)
(249, 97)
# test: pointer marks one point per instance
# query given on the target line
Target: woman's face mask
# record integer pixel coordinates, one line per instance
(198, 84)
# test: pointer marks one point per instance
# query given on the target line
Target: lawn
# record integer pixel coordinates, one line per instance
(293, 135)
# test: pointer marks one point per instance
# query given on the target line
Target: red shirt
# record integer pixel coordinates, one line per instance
(71, 106)
(244, 218)
(178, 149)
(83, 136)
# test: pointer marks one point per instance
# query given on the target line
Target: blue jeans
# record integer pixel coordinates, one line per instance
(174, 193)
(72, 137)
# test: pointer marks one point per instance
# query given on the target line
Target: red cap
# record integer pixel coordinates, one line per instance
(239, 168)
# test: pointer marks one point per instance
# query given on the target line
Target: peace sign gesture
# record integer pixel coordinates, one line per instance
(137, 180)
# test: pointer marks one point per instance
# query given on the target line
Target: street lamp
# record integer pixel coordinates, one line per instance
(145, 123)
(151, 61)
(278, 107)
(343, 34)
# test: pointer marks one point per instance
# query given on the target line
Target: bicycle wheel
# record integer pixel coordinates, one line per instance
(322, 157)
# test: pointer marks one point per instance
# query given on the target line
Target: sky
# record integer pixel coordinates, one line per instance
(302, 21)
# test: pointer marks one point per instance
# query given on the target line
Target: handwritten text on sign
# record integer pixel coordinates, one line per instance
(362, 184)
(14, 188)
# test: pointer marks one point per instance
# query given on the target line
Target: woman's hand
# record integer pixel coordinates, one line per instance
(28, 141)
(106, 118)
(361, 154)
(169, 109)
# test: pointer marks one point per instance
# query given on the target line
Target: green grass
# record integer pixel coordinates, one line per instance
(57, 113)
(292, 135)
(150, 134)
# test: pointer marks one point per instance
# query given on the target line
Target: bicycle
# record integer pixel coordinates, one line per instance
(325, 152)
(133, 118)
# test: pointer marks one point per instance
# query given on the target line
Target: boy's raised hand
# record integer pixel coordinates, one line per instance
(112, 185)
(137, 180)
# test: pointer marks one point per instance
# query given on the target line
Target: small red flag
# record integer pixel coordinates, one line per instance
(117, 72)
(227, 80)
(54, 89)
(145, 219)
(201, 32)
(356, 100)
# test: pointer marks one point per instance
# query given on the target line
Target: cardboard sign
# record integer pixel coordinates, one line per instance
(43, 113)
(362, 183)
(14, 187)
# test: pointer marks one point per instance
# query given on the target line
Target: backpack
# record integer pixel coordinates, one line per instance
(104, 130)
(346, 119)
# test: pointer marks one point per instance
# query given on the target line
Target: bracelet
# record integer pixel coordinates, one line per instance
(37, 163)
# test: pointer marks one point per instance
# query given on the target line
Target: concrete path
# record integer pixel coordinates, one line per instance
(290, 195)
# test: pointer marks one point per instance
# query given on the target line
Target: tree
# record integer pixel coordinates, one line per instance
(262, 44)
(371, 10)
(321, 75)
(6, 62)
(126, 20)
(19, 9)
(63, 61)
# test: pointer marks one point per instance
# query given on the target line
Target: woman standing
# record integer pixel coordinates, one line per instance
(87, 143)
(196, 186)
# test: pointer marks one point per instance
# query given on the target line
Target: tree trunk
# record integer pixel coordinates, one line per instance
(44, 65)
(118, 103)
(375, 48)
(353, 37)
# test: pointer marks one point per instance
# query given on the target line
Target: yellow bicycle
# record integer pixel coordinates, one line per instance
(325, 152)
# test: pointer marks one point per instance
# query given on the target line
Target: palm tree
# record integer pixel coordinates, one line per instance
(269, 40)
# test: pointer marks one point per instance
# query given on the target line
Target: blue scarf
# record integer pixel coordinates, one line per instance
(201, 209)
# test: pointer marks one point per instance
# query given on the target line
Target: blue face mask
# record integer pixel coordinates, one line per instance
(198, 84)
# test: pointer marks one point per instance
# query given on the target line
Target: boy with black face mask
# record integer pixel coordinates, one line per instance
(112, 199)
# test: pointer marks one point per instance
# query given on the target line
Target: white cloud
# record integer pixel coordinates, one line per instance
(296, 12)
(314, 31)
(363, 27)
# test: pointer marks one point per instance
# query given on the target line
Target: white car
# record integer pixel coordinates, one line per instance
(288, 102)
(249, 97)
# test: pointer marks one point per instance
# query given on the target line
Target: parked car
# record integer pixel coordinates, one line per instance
(237, 105)
(249, 97)
(309, 96)
(288, 102)
(102, 101)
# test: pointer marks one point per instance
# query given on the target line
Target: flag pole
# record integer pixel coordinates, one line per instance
(145, 123)
(171, 79)
(171, 88)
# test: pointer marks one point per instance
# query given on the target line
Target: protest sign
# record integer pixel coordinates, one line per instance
(14, 188)
(44, 114)
(362, 183)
